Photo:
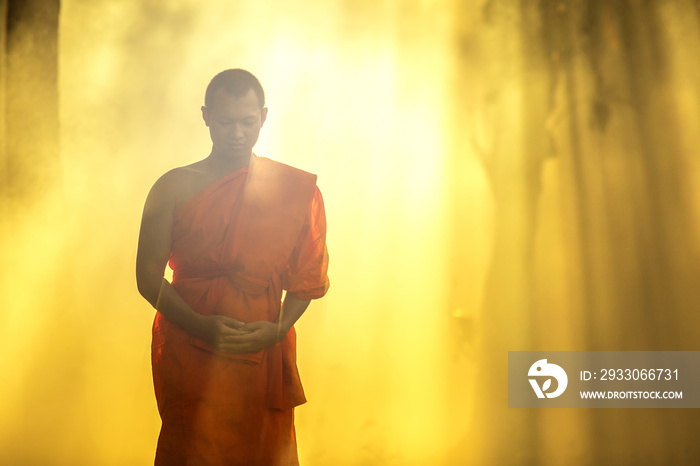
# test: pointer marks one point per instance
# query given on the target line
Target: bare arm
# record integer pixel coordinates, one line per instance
(155, 244)
(292, 309)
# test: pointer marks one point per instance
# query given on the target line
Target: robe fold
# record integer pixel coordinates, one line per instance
(237, 244)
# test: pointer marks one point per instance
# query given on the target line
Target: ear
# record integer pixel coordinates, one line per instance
(205, 115)
(263, 116)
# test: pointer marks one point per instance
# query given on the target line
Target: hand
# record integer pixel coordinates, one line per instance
(217, 330)
(233, 336)
(253, 337)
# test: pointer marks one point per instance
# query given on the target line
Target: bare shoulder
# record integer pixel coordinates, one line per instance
(177, 185)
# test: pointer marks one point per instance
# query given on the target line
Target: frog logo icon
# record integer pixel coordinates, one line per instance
(543, 369)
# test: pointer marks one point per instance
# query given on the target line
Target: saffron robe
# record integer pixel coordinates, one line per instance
(237, 244)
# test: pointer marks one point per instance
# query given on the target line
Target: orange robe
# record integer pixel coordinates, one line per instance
(236, 245)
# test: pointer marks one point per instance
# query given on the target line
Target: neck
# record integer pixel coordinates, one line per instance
(227, 163)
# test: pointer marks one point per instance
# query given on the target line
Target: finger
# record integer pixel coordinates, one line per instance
(233, 323)
(238, 347)
(258, 325)
(242, 338)
(250, 326)
(234, 336)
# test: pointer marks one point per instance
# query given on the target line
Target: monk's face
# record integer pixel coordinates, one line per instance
(234, 123)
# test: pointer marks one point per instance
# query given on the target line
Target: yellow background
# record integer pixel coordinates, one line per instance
(497, 176)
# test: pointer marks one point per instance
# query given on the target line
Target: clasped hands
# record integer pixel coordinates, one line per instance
(233, 336)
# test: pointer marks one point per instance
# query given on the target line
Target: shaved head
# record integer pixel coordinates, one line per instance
(236, 82)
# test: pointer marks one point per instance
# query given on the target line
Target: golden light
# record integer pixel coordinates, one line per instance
(496, 177)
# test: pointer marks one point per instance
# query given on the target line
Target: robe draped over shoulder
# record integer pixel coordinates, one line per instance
(237, 244)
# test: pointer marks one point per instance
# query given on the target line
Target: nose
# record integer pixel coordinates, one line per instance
(236, 131)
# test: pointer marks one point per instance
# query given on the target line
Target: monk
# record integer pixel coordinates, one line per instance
(237, 230)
